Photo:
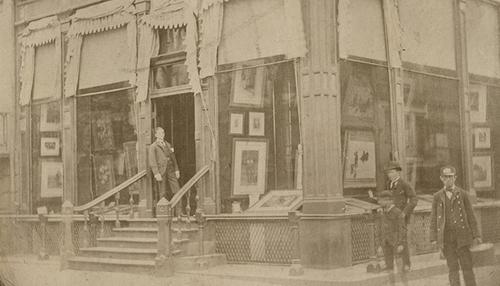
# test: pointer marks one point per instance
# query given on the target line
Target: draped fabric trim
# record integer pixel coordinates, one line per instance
(344, 23)
(41, 32)
(396, 31)
(72, 65)
(148, 48)
(210, 34)
(102, 17)
(164, 15)
(296, 46)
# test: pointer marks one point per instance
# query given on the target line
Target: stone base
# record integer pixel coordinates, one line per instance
(325, 241)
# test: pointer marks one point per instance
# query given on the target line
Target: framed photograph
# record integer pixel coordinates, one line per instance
(102, 132)
(52, 179)
(248, 87)
(236, 121)
(482, 171)
(50, 117)
(358, 100)
(359, 159)
(104, 173)
(249, 166)
(256, 123)
(49, 146)
(482, 137)
(477, 103)
(278, 201)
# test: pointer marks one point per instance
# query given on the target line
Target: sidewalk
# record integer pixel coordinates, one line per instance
(428, 270)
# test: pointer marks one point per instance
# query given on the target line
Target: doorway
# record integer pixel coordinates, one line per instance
(175, 114)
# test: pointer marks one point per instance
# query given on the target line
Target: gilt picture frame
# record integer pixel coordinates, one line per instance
(249, 173)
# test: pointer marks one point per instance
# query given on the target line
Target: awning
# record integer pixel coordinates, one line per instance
(167, 15)
(35, 35)
(104, 17)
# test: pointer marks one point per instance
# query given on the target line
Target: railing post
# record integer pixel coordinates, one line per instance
(131, 203)
(117, 210)
(200, 219)
(296, 267)
(67, 248)
(163, 260)
(86, 231)
(42, 255)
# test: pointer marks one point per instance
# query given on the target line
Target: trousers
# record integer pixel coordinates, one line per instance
(456, 258)
(173, 184)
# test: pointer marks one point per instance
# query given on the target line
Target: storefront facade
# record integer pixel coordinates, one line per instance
(311, 97)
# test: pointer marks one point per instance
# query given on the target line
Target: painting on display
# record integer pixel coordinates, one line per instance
(358, 99)
(359, 159)
(248, 87)
(50, 117)
(102, 132)
(249, 166)
(49, 146)
(477, 103)
(104, 173)
(482, 137)
(236, 121)
(52, 179)
(278, 201)
(256, 123)
(482, 170)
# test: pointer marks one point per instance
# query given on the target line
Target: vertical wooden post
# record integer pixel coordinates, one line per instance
(42, 255)
(67, 248)
(163, 260)
(200, 219)
(296, 268)
(86, 232)
(117, 210)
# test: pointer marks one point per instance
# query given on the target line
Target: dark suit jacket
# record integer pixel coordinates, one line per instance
(162, 159)
(463, 218)
(404, 197)
(393, 227)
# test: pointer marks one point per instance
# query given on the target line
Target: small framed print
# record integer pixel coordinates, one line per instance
(482, 171)
(477, 103)
(52, 179)
(256, 123)
(49, 146)
(248, 87)
(50, 117)
(236, 121)
(482, 137)
(249, 166)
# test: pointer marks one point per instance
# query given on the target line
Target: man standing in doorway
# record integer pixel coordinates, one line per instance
(405, 199)
(163, 164)
(454, 227)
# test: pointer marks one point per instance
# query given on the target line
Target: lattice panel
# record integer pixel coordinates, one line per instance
(490, 224)
(254, 241)
(419, 233)
(360, 232)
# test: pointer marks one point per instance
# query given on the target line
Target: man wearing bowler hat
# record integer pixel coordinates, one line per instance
(454, 227)
(404, 198)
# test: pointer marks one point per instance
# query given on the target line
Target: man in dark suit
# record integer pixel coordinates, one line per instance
(163, 164)
(393, 236)
(454, 227)
(404, 198)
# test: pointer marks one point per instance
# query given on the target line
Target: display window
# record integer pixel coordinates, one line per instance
(258, 131)
(366, 127)
(432, 130)
(107, 143)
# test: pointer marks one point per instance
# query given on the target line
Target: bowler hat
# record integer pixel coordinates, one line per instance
(392, 165)
(448, 171)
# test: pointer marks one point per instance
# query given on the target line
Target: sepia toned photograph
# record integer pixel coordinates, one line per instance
(250, 142)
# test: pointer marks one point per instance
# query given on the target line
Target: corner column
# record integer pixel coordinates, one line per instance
(325, 240)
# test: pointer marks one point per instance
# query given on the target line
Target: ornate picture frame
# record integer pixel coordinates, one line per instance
(482, 171)
(50, 117)
(482, 137)
(52, 179)
(49, 146)
(248, 87)
(256, 123)
(249, 174)
(359, 159)
(236, 121)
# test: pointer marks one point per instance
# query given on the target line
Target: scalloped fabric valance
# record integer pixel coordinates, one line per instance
(166, 15)
(41, 32)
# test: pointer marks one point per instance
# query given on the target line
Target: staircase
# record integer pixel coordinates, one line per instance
(133, 247)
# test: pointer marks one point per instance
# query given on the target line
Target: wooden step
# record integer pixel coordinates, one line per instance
(152, 222)
(152, 232)
(111, 265)
(121, 253)
(133, 242)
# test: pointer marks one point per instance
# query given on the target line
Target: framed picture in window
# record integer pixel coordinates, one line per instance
(358, 99)
(50, 117)
(49, 146)
(236, 121)
(102, 132)
(359, 159)
(482, 137)
(477, 103)
(248, 87)
(52, 179)
(256, 123)
(249, 166)
(104, 173)
(482, 171)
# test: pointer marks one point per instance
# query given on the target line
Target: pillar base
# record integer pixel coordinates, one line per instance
(323, 206)
(325, 241)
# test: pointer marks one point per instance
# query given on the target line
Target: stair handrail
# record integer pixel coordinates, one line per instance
(112, 192)
(188, 185)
